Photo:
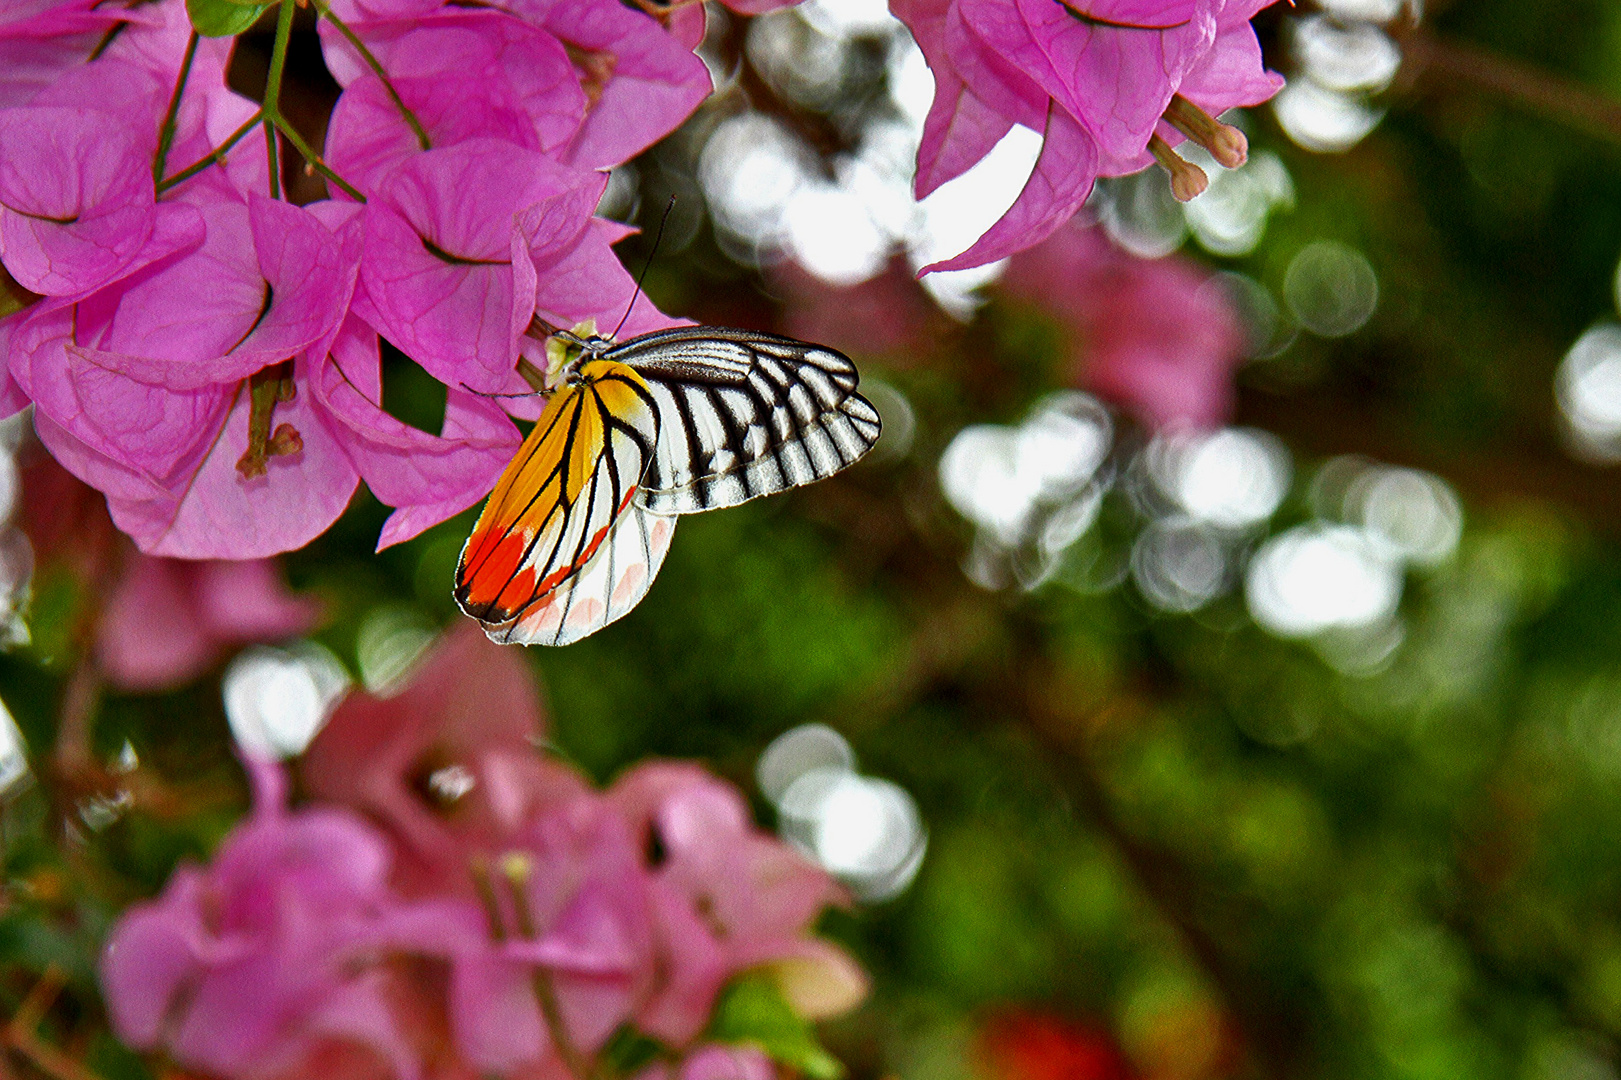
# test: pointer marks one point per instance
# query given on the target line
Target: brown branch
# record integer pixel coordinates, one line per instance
(22, 1032)
(1448, 63)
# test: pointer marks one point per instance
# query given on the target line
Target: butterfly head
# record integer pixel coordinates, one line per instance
(567, 350)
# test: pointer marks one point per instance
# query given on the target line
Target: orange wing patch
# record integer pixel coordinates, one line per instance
(557, 503)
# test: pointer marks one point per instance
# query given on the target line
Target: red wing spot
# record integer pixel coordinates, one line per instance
(493, 566)
(519, 593)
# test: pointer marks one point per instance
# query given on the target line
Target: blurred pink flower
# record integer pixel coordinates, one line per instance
(167, 621)
(729, 897)
(1152, 335)
(244, 967)
(637, 904)
(714, 1061)
(1101, 78)
(448, 765)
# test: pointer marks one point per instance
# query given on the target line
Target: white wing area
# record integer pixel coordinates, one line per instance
(721, 446)
(744, 414)
(612, 581)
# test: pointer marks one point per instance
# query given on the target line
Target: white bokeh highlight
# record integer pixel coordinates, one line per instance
(277, 699)
(865, 831)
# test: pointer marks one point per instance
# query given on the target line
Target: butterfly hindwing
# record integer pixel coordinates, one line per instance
(553, 512)
(611, 582)
(744, 414)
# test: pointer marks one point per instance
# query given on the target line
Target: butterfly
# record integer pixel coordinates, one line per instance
(633, 434)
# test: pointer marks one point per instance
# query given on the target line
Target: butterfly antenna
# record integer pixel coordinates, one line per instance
(648, 265)
(487, 394)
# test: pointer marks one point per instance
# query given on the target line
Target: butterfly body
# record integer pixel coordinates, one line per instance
(636, 432)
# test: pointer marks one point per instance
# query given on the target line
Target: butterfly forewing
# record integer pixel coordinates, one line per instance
(551, 514)
(744, 414)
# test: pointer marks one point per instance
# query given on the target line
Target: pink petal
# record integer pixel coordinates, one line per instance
(250, 601)
(493, 1013)
(1057, 188)
(654, 85)
(716, 1062)
(693, 970)
(1117, 82)
(150, 954)
(589, 282)
(149, 636)
(454, 314)
(428, 478)
(1232, 74)
(76, 201)
(294, 295)
(359, 1012)
(464, 75)
(220, 514)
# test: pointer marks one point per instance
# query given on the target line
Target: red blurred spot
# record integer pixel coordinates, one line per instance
(1031, 1046)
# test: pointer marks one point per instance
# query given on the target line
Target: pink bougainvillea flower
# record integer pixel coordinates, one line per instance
(243, 968)
(175, 389)
(463, 75)
(167, 621)
(641, 81)
(1103, 79)
(748, 900)
(634, 81)
(465, 246)
(1149, 334)
(448, 765)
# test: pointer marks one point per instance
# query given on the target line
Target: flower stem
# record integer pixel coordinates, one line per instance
(516, 868)
(371, 62)
(1455, 63)
(215, 158)
(166, 130)
(291, 135)
(272, 100)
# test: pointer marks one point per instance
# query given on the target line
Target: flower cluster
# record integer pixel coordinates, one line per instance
(567, 921)
(1114, 85)
(206, 353)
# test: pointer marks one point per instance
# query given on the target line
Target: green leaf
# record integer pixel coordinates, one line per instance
(224, 18)
(753, 1010)
(629, 1051)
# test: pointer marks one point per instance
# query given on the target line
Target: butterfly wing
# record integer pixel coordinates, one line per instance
(744, 414)
(554, 510)
(611, 582)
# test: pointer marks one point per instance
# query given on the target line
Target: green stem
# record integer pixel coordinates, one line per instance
(214, 158)
(314, 159)
(371, 61)
(272, 101)
(166, 131)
